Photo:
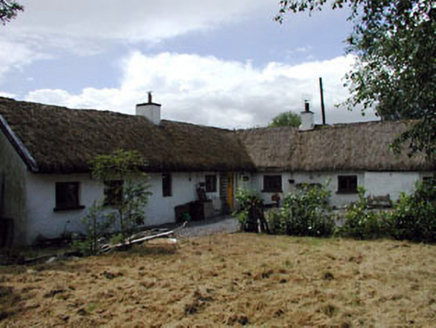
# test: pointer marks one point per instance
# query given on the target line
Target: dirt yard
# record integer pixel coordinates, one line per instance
(230, 280)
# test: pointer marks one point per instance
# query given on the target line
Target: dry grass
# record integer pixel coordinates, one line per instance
(230, 280)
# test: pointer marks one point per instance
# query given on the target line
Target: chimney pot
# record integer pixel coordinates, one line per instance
(306, 106)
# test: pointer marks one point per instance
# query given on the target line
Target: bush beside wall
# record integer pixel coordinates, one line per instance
(307, 213)
(304, 213)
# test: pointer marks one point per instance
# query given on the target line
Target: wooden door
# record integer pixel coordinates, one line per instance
(230, 191)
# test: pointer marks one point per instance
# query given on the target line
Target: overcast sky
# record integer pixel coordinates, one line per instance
(224, 63)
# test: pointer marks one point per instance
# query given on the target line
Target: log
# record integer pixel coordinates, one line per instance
(168, 234)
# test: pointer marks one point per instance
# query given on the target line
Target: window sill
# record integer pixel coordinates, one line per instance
(272, 191)
(347, 192)
(63, 209)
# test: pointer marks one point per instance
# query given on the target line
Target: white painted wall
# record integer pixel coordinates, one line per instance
(391, 183)
(257, 184)
(290, 180)
(13, 170)
(41, 200)
(184, 189)
(376, 183)
(33, 198)
(337, 199)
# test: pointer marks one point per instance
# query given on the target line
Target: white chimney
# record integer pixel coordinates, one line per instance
(150, 110)
(307, 118)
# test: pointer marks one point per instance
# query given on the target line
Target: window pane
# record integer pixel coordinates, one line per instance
(67, 194)
(211, 183)
(347, 183)
(272, 183)
(166, 185)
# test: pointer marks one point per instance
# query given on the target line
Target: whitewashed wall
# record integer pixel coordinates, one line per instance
(257, 184)
(376, 183)
(45, 222)
(290, 180)
(31, 201)
(392, 183)
(13, 171)
(184, 189)
(337, 199)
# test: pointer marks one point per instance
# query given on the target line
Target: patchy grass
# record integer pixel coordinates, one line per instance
(230, 280)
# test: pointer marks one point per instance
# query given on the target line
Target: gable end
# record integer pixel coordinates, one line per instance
(18, 146)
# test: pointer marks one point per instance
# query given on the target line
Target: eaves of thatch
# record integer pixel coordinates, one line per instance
(342, 147)
(52, 139)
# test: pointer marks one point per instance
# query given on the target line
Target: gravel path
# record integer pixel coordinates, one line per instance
(222, 224)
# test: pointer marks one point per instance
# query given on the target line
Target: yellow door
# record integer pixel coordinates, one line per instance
(230, 194)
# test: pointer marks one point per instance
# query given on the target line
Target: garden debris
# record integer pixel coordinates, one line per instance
(143, 237)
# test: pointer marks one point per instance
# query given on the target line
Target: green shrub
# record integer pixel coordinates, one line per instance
(361, 223)
(414, 217)
(97, 225)
(250, 211)
(305, 213)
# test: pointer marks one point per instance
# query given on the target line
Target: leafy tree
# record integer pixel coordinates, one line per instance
(8, 10)
(130, 195)
(286, 119)
(395, 44)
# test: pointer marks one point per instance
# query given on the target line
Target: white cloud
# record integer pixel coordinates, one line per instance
(7, 94)
(210, 91)
(71, 23)
(15, 56)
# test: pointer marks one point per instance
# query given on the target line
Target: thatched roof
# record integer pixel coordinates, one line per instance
(61, 140)
(269, 148)
(52, 139)
(357, 146)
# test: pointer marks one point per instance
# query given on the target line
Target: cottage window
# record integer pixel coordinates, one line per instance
(211, 183)
(113, 192)
(272, 183)
(166, 185)
(67, 196)
(347, 184)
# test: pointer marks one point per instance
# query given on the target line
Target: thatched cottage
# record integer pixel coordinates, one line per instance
(47, 186)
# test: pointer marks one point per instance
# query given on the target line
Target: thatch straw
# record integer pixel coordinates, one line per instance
(357, 146)
(63, 140)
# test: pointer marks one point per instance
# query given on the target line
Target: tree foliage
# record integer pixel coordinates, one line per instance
(395, 71)
(126, 167)
(9, 10)
(286, 119)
